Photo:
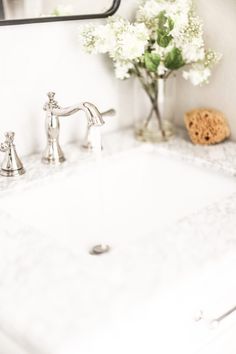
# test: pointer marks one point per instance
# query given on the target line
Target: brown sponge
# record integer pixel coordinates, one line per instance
(206, 126)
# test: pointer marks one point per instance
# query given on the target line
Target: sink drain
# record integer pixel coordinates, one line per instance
(99, 249)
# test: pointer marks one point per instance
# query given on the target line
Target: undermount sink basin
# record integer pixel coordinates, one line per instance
(63, 300)
(118, 198)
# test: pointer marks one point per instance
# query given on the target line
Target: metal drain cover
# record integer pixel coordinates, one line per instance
(99, 249)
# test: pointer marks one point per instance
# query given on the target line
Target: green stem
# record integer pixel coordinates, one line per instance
(147, 121)
(168, 74)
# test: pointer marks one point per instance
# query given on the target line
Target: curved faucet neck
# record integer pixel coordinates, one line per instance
(93, 115)
(53, 153)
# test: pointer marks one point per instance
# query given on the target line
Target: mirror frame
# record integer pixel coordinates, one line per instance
(114, 7)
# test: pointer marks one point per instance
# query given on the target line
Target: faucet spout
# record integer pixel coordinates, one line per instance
(93, 115)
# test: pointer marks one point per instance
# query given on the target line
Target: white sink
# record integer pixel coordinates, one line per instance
(63, 300)
(118, 199)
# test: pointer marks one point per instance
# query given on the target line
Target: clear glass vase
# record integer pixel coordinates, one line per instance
(158, 124)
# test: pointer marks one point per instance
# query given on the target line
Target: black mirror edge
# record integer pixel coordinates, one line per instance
(115, 6)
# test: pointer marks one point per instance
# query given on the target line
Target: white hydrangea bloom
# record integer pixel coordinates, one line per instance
(118, 24)
(190, 40)
(105, 40)
(193, 51)
(133, 42)
(122, 70)
(178, 10)
(149, 9)
(87, 38)
(166, 36)
(119, 38)
(197, 76)
(161, 70)
(211, 58)
(162, 51)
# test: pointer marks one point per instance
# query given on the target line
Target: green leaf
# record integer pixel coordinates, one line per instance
(163, 40)
(162, 20)
(151, 61)
(174, 59)
(171, 24)
(165, 26)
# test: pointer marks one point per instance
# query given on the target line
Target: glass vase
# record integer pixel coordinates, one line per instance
(158, 124)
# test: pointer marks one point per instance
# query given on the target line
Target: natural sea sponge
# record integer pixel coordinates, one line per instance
(206, 126)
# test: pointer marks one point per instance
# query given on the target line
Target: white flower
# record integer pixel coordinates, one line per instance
(118, 24)
(161, 70)
(133, 41)
(122, 70)
(166, 35)
(198, 75)
(177, 10)
(105, 40)
(162, 52)
(87, 39)
(149, 10)
(193, 51)
(120, 39)
(211, 58)
(190, 40)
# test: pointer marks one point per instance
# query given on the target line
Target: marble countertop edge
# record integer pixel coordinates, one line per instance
(221, 157)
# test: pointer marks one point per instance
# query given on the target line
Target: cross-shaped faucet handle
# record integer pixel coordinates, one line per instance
(51, 96)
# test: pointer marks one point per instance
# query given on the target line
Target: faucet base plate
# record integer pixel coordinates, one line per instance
(12, 173)
(54, 161)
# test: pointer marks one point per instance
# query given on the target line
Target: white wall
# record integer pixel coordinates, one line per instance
(37, 58)
(80, 7)
(220, 31)
(41, 57)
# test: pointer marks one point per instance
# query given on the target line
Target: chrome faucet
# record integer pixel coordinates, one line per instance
(11, 165)
(53, 153)
(92, 139)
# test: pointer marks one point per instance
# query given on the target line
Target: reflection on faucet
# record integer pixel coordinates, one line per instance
(53, 153)
(18, 9)
(2, 14)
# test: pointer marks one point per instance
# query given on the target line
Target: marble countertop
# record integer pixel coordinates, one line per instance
(221, 157)
(16, 238)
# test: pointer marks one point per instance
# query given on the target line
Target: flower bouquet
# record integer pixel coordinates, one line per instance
(166, 36)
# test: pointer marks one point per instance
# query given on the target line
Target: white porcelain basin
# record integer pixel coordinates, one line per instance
(63, 300)
(118, 198)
